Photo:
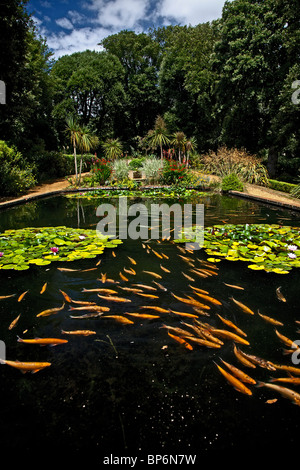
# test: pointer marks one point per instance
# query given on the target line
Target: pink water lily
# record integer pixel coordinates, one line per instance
(1, 254)
(54, 250)
(292, 255)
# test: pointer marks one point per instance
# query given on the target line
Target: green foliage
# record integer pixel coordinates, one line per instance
(247, 167)
(41, 246)
(112, 149)
(231, 183)
(120, 169)
(16, 175)
(153, 168)
(295, 192)
(272, 248)
(136, 163)
(281, 186)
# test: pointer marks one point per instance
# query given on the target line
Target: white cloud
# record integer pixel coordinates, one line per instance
(119, 14)
(64, 23)
(189, 12)
(76, 41)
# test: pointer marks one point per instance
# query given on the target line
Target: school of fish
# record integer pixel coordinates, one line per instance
(193, 320)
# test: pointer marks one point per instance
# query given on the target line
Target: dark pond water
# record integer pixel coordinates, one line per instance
(131, 390)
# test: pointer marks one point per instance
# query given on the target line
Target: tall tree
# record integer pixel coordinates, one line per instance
(89, 85)
(24, 65)
(256, 50)
(139, 56)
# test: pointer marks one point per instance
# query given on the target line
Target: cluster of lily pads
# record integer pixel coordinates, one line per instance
(42, 245)
(166, 192)
(272, 248)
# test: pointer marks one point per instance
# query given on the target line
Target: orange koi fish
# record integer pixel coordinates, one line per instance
(145, 286)
(158, 276)
(79, 332)
(151, 296)
(93, 308)
(164, 269)
(234, 287)
(270, 319)
(284, 391)
(239, 373)
(184, 314)
(237, 384)
(154, 307)
(6, 296)
(43, 341)
(208, 298)
(66, 296)
(44, 288)
(105, 291)
(232, 325)
(243, 360)
(286, 341)
(142, 315)
(14, 322)
(132, 261)
(22, 296)
(50, 311)
(24, 367)
(181, 341)
(120, 319)
(243, 306)
(113, 299)
(124, 278)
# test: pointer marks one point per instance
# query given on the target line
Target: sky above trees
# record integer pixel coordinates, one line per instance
(72, 25)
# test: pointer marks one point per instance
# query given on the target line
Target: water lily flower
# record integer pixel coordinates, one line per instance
(54, 250)
(292, 255)
(82, 237)
(292, 247)
(1, 254)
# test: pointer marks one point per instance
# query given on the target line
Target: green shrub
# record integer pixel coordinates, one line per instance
(231, 183)
(152, 167)
(16, 175)
(247, 167)
(295, 192)
(282, 186)
(136, 163)
(120, 169)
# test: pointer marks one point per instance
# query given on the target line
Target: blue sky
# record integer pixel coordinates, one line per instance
(71, 25)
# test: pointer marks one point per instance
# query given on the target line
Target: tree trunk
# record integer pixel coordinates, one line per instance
(272, 162)
(75, 161)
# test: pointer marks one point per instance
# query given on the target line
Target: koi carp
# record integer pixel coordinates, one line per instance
(280, 296)
(239, 373)
(21, 297)
(14, 322)
(181, 341)
(44, 288)
(237, 384)
(158, 276)
(243, 306)
(270, 319)
(232, 325)
(43, 341)
(113, 298)
(51, 311)
(24, 367)
(79, 332)
(284, 391)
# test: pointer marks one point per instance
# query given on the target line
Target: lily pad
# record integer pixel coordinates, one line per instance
(268, 247)
(43, 245)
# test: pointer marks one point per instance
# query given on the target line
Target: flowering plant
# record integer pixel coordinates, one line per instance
(101, 170)
(173, 172)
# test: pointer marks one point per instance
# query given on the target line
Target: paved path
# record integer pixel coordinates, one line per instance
(251, 191)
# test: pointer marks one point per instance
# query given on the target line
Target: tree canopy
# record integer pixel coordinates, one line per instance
(227, 82)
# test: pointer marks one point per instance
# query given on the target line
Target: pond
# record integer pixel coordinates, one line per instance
(130, 389)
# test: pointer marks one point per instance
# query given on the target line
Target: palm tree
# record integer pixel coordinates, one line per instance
(190, 146)
(74, 131)
(159, 136)
(112, 148)
(87, 142)
(179, 141)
